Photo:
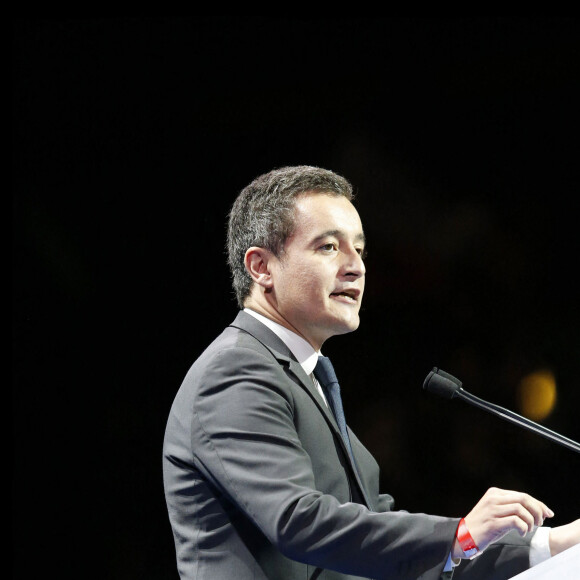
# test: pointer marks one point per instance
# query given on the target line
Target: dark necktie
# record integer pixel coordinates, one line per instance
(325, 375)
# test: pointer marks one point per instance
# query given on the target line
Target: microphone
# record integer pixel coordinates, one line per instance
(447, 386)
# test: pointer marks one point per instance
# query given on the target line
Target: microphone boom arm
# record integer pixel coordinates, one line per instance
(518, 420)
(447, 386)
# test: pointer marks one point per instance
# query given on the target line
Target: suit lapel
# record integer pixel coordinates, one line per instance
(283, 354)
(306, 381)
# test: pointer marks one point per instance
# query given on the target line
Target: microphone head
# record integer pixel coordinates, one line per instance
(442, 383)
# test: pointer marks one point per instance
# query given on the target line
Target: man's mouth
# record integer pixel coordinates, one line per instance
(349, 296)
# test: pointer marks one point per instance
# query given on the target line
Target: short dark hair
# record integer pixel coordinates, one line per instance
(263, 214)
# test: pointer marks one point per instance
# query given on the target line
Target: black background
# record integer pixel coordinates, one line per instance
(132, 137)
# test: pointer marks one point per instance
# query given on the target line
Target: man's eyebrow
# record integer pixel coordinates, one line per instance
(360, 237)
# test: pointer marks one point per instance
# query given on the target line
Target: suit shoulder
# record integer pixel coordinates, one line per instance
(234, 356)
(232, 343)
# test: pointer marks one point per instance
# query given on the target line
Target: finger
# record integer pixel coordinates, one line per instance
(514, 522)
(520, 512)
(538, 509)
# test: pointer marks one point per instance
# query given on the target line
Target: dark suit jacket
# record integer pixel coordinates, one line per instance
(259, 485)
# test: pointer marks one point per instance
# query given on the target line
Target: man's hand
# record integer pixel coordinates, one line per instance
(564, 537)
(499, 511)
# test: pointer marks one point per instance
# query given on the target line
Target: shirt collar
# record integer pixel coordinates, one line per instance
(301, 349)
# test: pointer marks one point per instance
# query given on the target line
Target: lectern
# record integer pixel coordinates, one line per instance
(564, 566)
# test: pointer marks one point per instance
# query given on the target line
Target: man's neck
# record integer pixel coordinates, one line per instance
(268, 311)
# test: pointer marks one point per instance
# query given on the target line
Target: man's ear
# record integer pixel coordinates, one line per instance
(257, 262)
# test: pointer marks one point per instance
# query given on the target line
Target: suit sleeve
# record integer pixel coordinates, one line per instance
(244, 440)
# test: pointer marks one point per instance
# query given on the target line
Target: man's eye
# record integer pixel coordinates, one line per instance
(328, 247)
(362, 252)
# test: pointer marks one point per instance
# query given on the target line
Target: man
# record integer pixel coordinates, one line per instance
(262, 478)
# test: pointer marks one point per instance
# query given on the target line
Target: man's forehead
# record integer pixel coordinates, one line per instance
(324, 215)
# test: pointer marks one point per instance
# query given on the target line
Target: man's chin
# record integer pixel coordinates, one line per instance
(334, 328)
(347, 326)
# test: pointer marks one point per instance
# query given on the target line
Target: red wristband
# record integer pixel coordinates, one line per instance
(465, 540)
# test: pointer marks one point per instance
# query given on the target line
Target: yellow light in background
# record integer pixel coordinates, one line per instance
(537, 394)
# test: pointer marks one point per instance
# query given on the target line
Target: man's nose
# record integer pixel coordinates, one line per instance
(354, 264)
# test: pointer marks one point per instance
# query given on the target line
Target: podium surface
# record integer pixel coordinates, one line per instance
(564, 566)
